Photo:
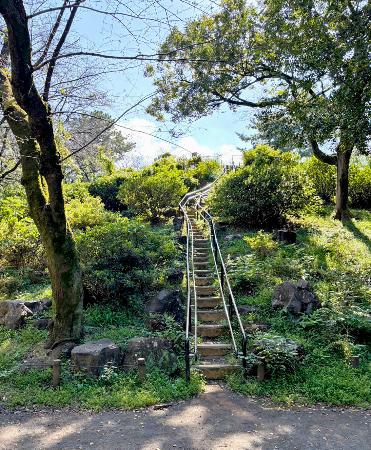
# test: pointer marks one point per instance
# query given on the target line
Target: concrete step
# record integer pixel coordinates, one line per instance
(216, 371)
(214, 349)
(203, 281)
(206, 290)
(210, 330)
(211, 315)
(201, 263)
(207, 302)
(203, 272)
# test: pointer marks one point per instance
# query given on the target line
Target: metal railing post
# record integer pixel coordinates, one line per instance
(230, 306)
(244, 354)
(187, 361)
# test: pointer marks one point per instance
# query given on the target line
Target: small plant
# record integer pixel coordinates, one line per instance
(278, 354)
(262, 243)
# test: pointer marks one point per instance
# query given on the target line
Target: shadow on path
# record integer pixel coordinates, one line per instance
(217, 419)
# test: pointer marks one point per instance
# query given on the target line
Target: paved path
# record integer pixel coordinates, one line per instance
(217, 419)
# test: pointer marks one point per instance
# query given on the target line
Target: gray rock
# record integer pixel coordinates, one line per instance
(13, 313)
(175, 275)
(156, 351)
(156, 322)
(63, 350)
(296, 298)
(36, 363)
(36, 306)
(42, 324)
(93, 356)
(286, 236)
(233, 237)
(169, 302)
(246, 309)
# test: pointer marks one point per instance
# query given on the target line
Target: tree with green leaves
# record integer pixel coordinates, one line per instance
(303, 65)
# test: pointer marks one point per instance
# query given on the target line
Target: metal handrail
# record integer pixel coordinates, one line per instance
(223, 276)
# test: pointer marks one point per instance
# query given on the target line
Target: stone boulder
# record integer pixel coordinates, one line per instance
(167, 301)
(156, 322)
(38, 306)
(93, 356)
(295, 298)
(286, 236)
(157, 352)
(175, 275)
(13, 313)
(233, 237)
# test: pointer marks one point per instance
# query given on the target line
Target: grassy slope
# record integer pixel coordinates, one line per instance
(336, 260)
(112, 389)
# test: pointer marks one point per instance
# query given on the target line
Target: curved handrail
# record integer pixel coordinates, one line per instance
(223, 276)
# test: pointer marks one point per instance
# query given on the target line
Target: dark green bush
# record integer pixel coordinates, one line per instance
(107, 188)
(360, 185)
(323, 178)
(271, 186)
(124, 260)
(154, 192)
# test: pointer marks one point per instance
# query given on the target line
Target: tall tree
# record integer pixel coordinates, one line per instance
(303, 62)
(29, 119)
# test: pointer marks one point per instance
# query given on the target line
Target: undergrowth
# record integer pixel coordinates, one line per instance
(335, 259)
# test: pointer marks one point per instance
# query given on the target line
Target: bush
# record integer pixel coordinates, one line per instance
(107, 189)
(153, 192)
(323, 178)
(360, 185)
(20, 245)
(124, 260)
(206, 171)
(271, 186)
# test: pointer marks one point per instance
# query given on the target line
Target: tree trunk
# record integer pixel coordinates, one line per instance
(342, 183)
(29, 119)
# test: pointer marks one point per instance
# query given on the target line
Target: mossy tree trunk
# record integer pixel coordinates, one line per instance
(29, 119)
(341, 160)
(342, 183)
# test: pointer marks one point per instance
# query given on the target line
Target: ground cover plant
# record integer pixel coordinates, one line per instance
(335, 259)
(113, 388)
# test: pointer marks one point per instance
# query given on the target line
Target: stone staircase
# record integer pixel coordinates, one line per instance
(213, 351)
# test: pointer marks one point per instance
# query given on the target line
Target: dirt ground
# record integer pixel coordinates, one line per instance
(217, 419)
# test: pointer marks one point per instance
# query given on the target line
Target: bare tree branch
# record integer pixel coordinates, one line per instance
(57, 50)
(110, 125)
(9, 171)
(52, 33)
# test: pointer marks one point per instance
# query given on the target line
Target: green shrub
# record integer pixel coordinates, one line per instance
(206, 171)
(107, 189)
(154, 192)
(323, 178)
(124, 260)
(360, 185)
(271, 186)
(20, 245)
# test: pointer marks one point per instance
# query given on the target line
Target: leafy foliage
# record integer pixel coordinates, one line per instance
(124, 259)
(106, 188)
(153, 192)
(265, 191)
(335, 260)
(323, 177)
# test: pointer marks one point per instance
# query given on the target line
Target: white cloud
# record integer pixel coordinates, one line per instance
(149, 147)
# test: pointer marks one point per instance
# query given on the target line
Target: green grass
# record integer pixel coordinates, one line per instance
(335, 259)
(114, 388)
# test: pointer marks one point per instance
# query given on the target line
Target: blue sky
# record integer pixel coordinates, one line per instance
(213, 135)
